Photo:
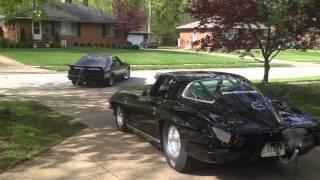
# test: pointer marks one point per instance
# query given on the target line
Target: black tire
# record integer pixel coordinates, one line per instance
(121, 126)
(182, 162)
(74, 82)
(126, 75)
(110, 81)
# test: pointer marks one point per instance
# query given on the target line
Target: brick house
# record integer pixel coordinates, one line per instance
(70, 23)
(191, 32)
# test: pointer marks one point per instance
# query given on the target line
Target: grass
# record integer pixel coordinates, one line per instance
(27, 129)
(58, 59)
(305, 96)
(296, 55)
(302, 93)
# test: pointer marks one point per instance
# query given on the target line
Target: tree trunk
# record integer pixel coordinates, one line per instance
(86, 3)
(266, 72)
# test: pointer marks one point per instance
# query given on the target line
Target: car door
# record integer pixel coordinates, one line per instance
(118, 67)
(148, 111)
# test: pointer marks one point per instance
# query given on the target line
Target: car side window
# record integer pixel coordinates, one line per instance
(203, 91)
(116, 62)
(162, 88)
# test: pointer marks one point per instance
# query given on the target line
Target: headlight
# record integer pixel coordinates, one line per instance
(222, 135)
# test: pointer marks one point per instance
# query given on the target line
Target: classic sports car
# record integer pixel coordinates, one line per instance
(214, 117)
(98, 69)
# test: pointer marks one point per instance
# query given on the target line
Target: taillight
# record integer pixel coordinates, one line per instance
(237, 142)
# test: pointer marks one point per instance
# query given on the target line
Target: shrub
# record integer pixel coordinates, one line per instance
(113, 45)
(89, 45)
(129, 43)
(26, 45)
(101, 45)
(13, 44)
(4, 43)
(82, 45)
(75, 44)
(57, 38)
(55, 45)
(107, 46)
(135, 46)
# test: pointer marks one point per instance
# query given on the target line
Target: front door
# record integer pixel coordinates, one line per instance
(36, 30)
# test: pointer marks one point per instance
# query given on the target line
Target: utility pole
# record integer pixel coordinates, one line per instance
(149, 19)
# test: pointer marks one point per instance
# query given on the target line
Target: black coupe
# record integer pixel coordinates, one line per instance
(214, 117)
(98, 69)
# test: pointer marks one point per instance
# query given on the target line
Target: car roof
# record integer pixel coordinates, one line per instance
(95, 55)
(188, 76)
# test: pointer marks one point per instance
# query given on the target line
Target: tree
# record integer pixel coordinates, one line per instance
(169, 14)
(132, 17)
(10, 8)
(286, 21)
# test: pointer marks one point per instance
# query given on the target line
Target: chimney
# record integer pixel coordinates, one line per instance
(86, 3)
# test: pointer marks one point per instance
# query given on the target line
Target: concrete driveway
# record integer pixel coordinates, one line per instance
(102, 152)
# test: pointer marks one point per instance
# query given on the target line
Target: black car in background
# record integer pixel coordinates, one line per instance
(149, 43)
(94, 69)
(214, 117)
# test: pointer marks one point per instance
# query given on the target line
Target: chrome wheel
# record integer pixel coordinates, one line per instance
(174, 143)
(111, 81)
(120, 117)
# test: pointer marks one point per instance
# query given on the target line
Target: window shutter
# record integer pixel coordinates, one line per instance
(103, 30)
(53, 29)
(79, 29)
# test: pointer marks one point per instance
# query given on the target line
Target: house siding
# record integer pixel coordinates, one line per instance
(186, 37)
(90, 33)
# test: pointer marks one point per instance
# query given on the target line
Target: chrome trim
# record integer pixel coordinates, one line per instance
(142, 133)
(185, 91)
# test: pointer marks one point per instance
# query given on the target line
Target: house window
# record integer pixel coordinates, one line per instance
(265, 32)
(67, 28)
(109, 30)
(229, 34)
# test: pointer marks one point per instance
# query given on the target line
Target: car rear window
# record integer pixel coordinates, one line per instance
(100, 61)
(212, 89)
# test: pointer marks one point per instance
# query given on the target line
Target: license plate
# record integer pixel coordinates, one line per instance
(270, 150)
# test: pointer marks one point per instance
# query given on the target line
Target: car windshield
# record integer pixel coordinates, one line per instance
(212, 89)
(93, 61)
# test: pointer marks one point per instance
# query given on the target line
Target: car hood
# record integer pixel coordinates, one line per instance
(252, 112)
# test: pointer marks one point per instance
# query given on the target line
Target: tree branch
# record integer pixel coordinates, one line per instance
(252, 56)
(278, 51)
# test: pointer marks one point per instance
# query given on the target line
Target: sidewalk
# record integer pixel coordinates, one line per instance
(275, 61)
(8, 65)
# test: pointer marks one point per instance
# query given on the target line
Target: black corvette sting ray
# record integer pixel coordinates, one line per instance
(214, 117)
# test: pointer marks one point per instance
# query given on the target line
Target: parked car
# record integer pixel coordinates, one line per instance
(214, 117)
(149, 44)
(98, 69)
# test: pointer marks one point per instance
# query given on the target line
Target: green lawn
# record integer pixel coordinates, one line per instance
(296, 55)
(27, 129)
(300, 92)
(305, 96)
(57, 59)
